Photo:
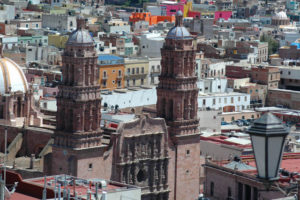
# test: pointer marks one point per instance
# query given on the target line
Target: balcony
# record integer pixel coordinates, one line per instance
(140, 75)
(119, 76)
(155, 73)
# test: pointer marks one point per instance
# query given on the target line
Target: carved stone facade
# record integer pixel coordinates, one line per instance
(177, 96)
(177, 92)
(143, 156)
(78, 100)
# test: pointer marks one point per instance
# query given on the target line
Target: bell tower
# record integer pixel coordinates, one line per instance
(177, 96)
(177, 91)
(78, 104)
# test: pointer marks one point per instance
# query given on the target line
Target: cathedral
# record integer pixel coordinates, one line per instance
(159, 154)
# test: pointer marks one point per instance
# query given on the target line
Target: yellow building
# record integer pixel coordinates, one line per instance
(187, 7)
(136, 72)
(58, 41)
(111, 69)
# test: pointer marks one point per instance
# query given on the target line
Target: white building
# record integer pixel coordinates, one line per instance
(59, 22)
(221, 101)
(151, 43)
(212, 85)
(154, 70)
(117, 26)
(9, 42)
(7, 12)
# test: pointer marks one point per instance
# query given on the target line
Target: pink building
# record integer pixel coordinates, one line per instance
(194, 14)
(169, 8)
(222, 14)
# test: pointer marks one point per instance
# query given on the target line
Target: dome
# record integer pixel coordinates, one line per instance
(281, 15)
(179, 32)
(80, 37)
(11, 77)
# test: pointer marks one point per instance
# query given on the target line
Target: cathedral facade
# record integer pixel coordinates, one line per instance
(161, 155)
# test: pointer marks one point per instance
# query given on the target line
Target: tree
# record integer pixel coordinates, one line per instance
(273, 44)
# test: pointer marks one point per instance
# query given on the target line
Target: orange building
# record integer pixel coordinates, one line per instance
(111, 73)
(135, 17)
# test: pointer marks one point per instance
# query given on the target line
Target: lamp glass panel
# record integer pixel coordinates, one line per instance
(274, 155)
(258, 145)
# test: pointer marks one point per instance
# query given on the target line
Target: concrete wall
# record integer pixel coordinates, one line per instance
(219, 101)
(219, 151)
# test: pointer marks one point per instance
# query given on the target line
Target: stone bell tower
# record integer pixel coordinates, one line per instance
(177, 96)
(78, 106)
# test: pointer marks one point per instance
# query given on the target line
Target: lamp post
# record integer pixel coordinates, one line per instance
(268, 138)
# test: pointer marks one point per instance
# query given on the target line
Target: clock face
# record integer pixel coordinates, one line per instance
(65, 152)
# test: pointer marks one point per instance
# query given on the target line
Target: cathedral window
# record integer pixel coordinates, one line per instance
(188, 152)
(1, 111)
(90, 166)
(141, 176)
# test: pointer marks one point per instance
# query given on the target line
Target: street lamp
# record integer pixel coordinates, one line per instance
(268, 138)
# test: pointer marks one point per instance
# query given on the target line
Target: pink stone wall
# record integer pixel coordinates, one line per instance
(222, 14)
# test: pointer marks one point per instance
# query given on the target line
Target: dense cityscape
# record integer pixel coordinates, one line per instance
(150, 100)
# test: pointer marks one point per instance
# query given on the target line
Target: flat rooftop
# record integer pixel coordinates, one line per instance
(80, 186)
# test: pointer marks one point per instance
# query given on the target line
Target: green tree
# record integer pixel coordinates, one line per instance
(273, 44)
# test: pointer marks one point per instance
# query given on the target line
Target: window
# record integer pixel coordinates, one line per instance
(113, 71)
(204, 102)
(26, 25)
(220, 100)
(245, 98)
(153, 68)
(71, 23)
(240, 191)
(29, 49)
(133, 82)
(36, 25)
(45, 105)
(133, 71)
(104, 74)
(113, 82)
(128, 71)
(214, 101)
(91, 166)
(232, 118)
(239, 99)
(119, 83)
(232, 100)
(229, 192)
(1, 111)
(120, 73)
(142, 81)
(104, 83)
(187, 152)
(137, 70)
(127, 83)
(212, 185)
(143, 70)
(225, 100)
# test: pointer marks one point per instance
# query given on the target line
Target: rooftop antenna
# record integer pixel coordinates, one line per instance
(69, 195)
(88, 194)
(96, 192)
(55, 191)
(59, 192)
(45, 189)
(2, 188)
